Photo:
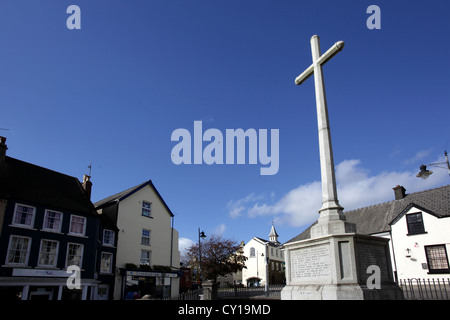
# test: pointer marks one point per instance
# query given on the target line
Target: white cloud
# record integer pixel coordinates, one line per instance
(355, 187)
(220, 229)
(184, 244)
(417, 157)
(236, 207)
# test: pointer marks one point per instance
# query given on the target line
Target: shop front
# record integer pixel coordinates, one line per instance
(154, 285)
(42, 284)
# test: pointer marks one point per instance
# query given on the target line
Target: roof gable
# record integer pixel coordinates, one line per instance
(408, 208)
(128, 192)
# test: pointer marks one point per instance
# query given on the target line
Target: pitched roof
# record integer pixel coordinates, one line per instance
(377, 218)
(28, 182)
(269, 243)
(128, 192)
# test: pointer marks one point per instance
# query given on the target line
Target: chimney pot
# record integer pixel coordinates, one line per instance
(87, 185)
(3, 149)
(400, 192)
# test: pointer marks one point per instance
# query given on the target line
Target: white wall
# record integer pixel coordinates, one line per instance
(256, 266)
(437, 232)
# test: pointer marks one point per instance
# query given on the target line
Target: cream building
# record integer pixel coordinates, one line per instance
(148, 258)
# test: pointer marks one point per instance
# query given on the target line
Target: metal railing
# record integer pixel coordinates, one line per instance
(188, 295)
(234, 292)
(425, 289)
(227, 292)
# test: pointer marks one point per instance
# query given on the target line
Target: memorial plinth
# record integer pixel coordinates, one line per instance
(338, 267)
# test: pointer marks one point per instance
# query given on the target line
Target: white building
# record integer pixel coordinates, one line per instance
(418, 226)
(148, 258)
(421, 242)
(265, 261)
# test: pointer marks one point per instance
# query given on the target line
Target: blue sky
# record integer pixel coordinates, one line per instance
(115, 90)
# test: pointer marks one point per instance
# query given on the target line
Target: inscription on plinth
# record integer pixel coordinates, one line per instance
(310, 263)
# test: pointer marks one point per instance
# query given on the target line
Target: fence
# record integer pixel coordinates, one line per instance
(234, 292)
(188, 295)
(425, 289)
(413, 289)
(229, 292)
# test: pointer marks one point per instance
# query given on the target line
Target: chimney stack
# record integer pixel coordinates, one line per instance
(87, 185)
(3, 149)
(400, 192)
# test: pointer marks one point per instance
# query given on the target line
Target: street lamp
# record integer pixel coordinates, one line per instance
(424, 173)
(201, 235)
(266, 265)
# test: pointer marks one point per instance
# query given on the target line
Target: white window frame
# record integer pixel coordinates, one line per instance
(27, 254)
(146, 237)
(112, 238)
(146, 209)
(81, 255)
(39, 264)
(111, 256)
(46, 217)
(149, 257)
(15, 216)
(71, 223)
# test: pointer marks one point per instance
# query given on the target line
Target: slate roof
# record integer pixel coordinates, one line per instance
(269, 243)
(128, 192)
(377, 218)
(28, 182)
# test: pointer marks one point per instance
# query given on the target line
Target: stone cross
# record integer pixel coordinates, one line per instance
(331, 214)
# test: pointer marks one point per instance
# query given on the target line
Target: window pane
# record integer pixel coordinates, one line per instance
(415, 223)
(49, 253)
(106, 262)
(437, 258)
(52, 220)
(74, 254)
(145, 257)
(77, 224)
(18, 250)
(23, 215)
(108, 237)
(145, 239)
(146, 209)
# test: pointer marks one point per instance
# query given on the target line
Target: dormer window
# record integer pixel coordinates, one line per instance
(415, 223)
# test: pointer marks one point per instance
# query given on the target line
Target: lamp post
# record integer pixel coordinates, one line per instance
(201, 235)
(266, 265)
(424, 173)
